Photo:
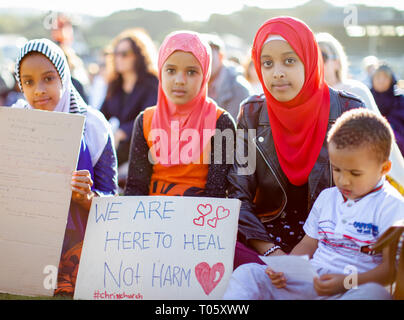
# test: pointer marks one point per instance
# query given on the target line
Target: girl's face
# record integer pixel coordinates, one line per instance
(381, 81)
(124, 57)
(40, 82)
(181, 77)
(282, 70)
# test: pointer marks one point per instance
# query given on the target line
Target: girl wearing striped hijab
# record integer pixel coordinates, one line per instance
(44, 78)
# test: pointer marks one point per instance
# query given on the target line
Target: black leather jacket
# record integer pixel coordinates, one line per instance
(262, 188)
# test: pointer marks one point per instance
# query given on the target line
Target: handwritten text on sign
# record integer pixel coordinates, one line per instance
(158, 247)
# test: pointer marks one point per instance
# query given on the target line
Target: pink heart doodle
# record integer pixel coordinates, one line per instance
(212, 222)
(204, 209)
(199, 221)
(222, 213)
(206, 275)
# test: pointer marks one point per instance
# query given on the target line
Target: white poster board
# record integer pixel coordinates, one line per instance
(38, 153)
(158, 248)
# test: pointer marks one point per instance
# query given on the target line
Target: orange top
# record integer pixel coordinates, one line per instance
(177, 180)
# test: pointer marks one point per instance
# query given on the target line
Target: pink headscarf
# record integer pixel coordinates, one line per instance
(199, 114)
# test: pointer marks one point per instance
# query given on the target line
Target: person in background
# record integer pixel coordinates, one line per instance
(78, 71)
(227, 85)
(389, 101)
(336, 75)
(132, 86)
(252, 78)
(336, 69)
(63, 35)
(369, 65)
(98, 87)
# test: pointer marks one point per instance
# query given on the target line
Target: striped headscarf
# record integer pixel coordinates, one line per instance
(97, 130)
(71, 101)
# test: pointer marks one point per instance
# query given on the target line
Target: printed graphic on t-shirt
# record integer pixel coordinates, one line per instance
(354, 244)
(366, 228)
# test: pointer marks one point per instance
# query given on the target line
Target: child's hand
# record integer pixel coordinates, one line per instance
(329, 284)
(81, 186)
(277, 278)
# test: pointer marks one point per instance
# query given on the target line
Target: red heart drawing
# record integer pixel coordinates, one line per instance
(212, 222)
(206, 275)
(222, 213)
(204, 209)
(199, 221)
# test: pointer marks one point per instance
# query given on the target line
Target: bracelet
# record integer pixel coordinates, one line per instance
(271, 250)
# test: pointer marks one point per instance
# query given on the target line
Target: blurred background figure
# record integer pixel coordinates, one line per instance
(63, 34)
(389, 100)
(369, 65)
(227, 85)
(10, 45)
(79, 73)
(132, 87)
(336, 66)
(98, 79)
(336, 75)
(251, 76)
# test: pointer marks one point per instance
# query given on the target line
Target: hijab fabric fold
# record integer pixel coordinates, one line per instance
(299, 126)
(197, 115)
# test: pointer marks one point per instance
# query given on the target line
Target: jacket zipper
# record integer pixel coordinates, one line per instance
(276, 177)
(330, 123)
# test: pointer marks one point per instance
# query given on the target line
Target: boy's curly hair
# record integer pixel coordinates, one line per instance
(362, 128)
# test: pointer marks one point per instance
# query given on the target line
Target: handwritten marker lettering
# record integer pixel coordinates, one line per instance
(158, 248)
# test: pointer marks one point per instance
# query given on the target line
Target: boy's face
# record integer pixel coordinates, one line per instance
(40, 82)
(356, 171)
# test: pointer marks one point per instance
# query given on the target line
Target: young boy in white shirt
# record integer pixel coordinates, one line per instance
(344, 223)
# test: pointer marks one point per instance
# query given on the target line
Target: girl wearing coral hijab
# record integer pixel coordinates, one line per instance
(291, 120)
(173, 143)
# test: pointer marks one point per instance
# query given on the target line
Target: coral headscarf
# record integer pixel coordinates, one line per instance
(299, 126)
(199, 114)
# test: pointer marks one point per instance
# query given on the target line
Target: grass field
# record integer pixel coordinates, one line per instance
(6, 296)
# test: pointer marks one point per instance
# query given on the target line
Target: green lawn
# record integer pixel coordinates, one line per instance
(6, 296)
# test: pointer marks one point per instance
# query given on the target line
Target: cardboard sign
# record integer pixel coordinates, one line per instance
(158, 248)
(38, 152)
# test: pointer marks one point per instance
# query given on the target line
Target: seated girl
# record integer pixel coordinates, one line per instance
(179, 146)
(44, 78)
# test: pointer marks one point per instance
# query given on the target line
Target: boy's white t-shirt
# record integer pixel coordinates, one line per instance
(345, 227)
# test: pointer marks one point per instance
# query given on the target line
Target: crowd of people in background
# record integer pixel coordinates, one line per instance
(293, 81)
(122, 81)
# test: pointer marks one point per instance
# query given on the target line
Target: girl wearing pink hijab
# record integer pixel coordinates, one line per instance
(179, 146)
